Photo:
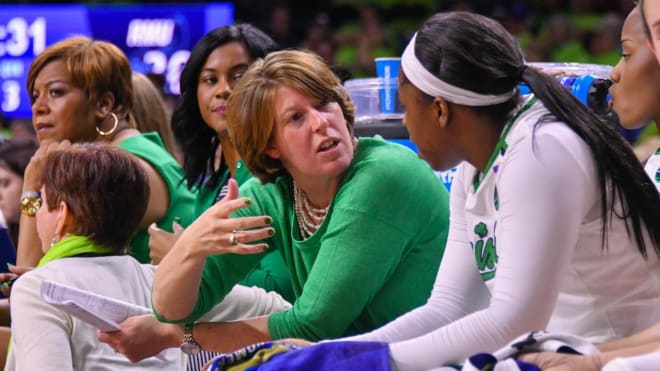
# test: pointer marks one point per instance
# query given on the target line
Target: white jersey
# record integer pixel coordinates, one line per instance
(524, 253)
(652, 168)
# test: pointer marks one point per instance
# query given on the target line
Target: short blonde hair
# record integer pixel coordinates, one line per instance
(251, 108)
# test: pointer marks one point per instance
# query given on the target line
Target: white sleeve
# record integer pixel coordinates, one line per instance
(40, 332)
(544, 194)
(644, 362)
(458, 288)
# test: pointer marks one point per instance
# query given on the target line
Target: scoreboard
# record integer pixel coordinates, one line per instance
(156, 38)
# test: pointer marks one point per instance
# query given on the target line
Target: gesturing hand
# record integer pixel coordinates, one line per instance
(215, 232)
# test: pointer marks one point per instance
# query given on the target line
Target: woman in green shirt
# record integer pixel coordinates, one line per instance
(361, 224)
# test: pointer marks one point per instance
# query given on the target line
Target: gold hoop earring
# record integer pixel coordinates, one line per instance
(112, 130)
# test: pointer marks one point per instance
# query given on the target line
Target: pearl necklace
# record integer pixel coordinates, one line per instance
(309, 218)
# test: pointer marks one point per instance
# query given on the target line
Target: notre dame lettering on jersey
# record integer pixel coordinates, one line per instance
(485, 252)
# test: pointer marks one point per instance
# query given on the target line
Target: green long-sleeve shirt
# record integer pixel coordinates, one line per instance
(271, 272)
(374, 257)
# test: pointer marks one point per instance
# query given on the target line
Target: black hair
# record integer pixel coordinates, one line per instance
(476, 53)
(199, 142)
(15, 154)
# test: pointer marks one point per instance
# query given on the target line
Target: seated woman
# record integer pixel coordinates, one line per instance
(548, 206)
(361, 224)
(81, 91)
(85, 223)
(635, 95)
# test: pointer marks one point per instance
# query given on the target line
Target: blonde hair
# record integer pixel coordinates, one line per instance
(151, 112)
(251, 107)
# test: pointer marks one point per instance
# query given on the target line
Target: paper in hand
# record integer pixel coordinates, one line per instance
(103, 312)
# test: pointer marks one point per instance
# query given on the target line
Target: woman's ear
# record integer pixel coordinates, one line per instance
(650, 44)
(440, 112)
(65, 220)
(271, 150)
(104, 105)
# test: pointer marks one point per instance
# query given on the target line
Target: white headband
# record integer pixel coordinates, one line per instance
(433, 86)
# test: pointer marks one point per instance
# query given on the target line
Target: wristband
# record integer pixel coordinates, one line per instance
(30, 203)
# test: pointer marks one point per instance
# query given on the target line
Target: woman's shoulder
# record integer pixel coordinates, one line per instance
(85, 268)
(113, 275)
(537, 123)
(389, 171)
(376, 156)
(139, 140)
(149, 147)
(538, 120)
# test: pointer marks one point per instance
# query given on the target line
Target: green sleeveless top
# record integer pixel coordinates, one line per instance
(271, 273)
(150, 148)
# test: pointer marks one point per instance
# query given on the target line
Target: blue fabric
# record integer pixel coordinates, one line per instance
(7, 251)
(236, 359)
(340, 355)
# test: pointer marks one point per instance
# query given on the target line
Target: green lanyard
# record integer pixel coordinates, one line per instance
(501, 145)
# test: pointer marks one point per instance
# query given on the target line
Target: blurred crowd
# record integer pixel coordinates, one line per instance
(350, 34)
(249, 213)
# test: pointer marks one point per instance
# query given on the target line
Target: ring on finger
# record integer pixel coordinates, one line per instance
(232, 238)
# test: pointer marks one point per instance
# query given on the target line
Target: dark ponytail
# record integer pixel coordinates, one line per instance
(476, 53)
(620, 175)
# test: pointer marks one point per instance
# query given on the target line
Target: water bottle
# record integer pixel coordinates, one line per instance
(590, 84)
